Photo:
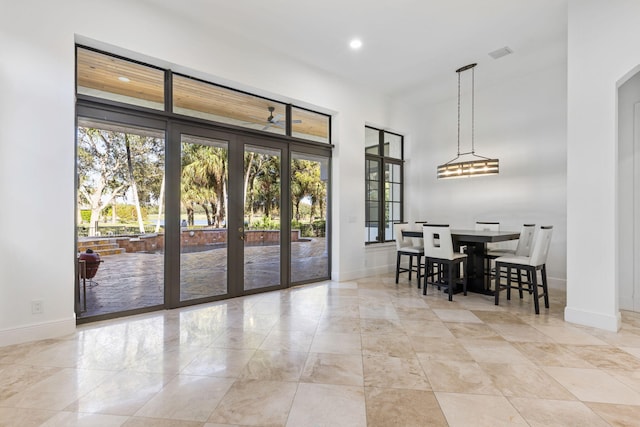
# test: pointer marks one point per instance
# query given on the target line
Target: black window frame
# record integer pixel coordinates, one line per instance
(381, 190)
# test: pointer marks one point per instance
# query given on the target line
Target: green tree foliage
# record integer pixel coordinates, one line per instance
(103, 169)
(307, 184)
(204, 181)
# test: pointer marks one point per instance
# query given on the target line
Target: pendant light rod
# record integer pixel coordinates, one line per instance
(481, 165)
(460, 71)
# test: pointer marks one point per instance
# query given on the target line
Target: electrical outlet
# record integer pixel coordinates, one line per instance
(37, 307)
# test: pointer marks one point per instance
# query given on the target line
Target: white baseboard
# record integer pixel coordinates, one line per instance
(36, 332)
(592, 319)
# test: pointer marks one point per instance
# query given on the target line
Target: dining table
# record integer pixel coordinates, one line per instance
(475, 242)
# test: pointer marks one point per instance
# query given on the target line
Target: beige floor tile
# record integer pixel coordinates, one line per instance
(520, 333)
(339, 325)
(551, 354)
(634, 351)
(17, 378)
(387, 345)
(592, 385)
(397, 407)
(147, 369)
(628, 377)
(394, 372)
(342, 310)
(526, 380)
(378, 311)
(58, 390)
(336, 343)
(20, 417)
(170, 361)
(465, 410)
(607, 357)
(416, 313)
(473, 331)
(426, 328)
(55, 355)
(275, 366)
(255, 403)
(440, 349)
(296, 341)
(381, 326)
(439, 300)
(556, 413)
(239, 339)
(121, 394)
(218, 362)
(328, 405)
(297, 323)
(492, 351)
(76, 419)
(158, 422)
(458, 377)
(187, 397)
(409, 301)
(569, 335)
(451, 315)
(617, 415)
(339, 369)
(500, 317)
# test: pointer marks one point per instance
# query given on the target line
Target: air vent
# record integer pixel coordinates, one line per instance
(499, 53)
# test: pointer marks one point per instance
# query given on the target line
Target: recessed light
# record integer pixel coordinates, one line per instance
(124, 79)
(355, 44)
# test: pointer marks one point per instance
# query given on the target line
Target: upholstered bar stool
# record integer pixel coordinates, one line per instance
(524, 247)
(438, 251)
(405, 247)
(528, 264)
(525, 244)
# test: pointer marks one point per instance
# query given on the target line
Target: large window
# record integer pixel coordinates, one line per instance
(184, 188)
(383, 184)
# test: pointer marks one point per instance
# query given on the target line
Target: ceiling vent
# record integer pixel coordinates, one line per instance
(499, 53)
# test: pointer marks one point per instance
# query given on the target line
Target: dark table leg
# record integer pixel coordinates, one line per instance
(476, 280)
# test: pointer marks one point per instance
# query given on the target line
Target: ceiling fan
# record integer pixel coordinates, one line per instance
(276, 120)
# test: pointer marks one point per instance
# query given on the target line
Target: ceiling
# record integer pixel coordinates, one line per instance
(411, 48)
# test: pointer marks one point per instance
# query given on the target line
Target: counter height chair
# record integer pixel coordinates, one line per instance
(438, 253)
(418, 241)
(529, 265)
(525, 244)
(405, 247)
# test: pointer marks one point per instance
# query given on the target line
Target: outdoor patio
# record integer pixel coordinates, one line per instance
(136, 280)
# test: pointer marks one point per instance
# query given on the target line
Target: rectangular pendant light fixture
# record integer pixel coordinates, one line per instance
(469, 168)
(476, 165)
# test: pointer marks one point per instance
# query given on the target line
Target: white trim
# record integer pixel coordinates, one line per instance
(595, 320)
(36, 332)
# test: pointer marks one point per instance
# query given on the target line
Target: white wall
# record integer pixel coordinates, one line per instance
(37, 136)
(523, 123)
(603, 40)
(629, 194)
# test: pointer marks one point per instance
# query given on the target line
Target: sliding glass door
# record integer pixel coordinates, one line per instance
(205, 215)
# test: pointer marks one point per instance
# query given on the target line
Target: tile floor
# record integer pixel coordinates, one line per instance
(367, 352)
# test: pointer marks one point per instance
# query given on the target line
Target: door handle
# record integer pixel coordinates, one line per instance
(241, 231)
